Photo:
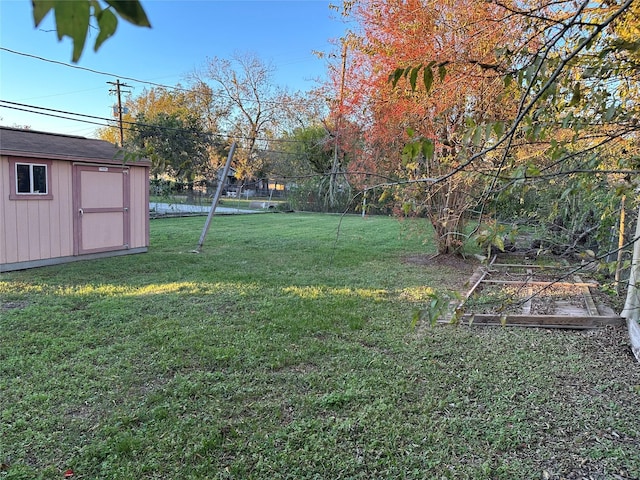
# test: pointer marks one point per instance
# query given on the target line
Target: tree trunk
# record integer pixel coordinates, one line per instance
(449, 238)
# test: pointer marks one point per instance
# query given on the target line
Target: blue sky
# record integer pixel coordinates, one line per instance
(183, 34)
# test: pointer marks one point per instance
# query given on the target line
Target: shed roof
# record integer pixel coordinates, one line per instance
(55, 146)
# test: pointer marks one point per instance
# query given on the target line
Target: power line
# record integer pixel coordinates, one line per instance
(78, 67)
(128, 125)
(24, 105)
(54, 115)
(132, 79)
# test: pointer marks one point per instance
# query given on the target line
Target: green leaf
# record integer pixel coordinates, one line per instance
(40, 10)
(107, 22)
(72, 20)
(528, 72)
(532, 170)
(477, 135)
(407, 154)
(411, 151)
(610, 112)
(415, 149)
(498, 129)
(131, 11)
(487, 130)
(415, 318)
(507, 80)
(567, 120)
(434, 311)
(576, 95)
(427, 78)
(395, 76)
(428, 148)
(442, 71)
(414, 77)
(410, 132)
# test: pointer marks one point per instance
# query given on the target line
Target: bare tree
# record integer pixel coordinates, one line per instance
(242, 86)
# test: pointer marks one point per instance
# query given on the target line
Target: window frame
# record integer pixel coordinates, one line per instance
(13, 187)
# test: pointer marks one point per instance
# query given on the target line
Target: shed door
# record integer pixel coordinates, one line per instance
(101, 205)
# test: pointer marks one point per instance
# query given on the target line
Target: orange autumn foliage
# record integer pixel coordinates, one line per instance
(457, 43)
(461, 36)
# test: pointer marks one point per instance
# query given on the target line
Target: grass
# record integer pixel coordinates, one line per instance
(285, 350)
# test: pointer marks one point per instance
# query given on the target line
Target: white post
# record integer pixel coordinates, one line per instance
(631, 310)
(364, 202)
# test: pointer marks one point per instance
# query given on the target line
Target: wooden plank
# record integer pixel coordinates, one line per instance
(555, 321)
(533, 325)
(588, 299)
(478, 276)
(517, 265)
(481, 274)
(542, 284)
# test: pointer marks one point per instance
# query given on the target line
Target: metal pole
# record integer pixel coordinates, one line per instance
(216, 197)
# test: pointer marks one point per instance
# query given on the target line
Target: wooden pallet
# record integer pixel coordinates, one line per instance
(565, 315)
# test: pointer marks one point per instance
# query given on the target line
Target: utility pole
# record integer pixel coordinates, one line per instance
(118, 85)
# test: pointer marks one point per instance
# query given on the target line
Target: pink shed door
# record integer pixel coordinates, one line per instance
(101, 204)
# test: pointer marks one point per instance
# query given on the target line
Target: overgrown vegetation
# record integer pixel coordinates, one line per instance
(285, 350)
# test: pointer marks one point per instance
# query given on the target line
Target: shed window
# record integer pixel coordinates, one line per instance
(30, 180)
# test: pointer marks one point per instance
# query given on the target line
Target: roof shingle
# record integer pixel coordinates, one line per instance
(30, 143)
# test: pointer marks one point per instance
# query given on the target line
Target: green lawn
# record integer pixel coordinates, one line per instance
(285, 350)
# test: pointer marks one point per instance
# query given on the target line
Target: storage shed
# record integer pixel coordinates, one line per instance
(65, 198)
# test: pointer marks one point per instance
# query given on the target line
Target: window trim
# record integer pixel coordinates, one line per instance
(13, 179)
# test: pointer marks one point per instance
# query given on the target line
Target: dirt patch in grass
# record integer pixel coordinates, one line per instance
(452, 261)
(13, 305)
(457, 269)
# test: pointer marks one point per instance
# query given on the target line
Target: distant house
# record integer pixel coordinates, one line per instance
(66, 198)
